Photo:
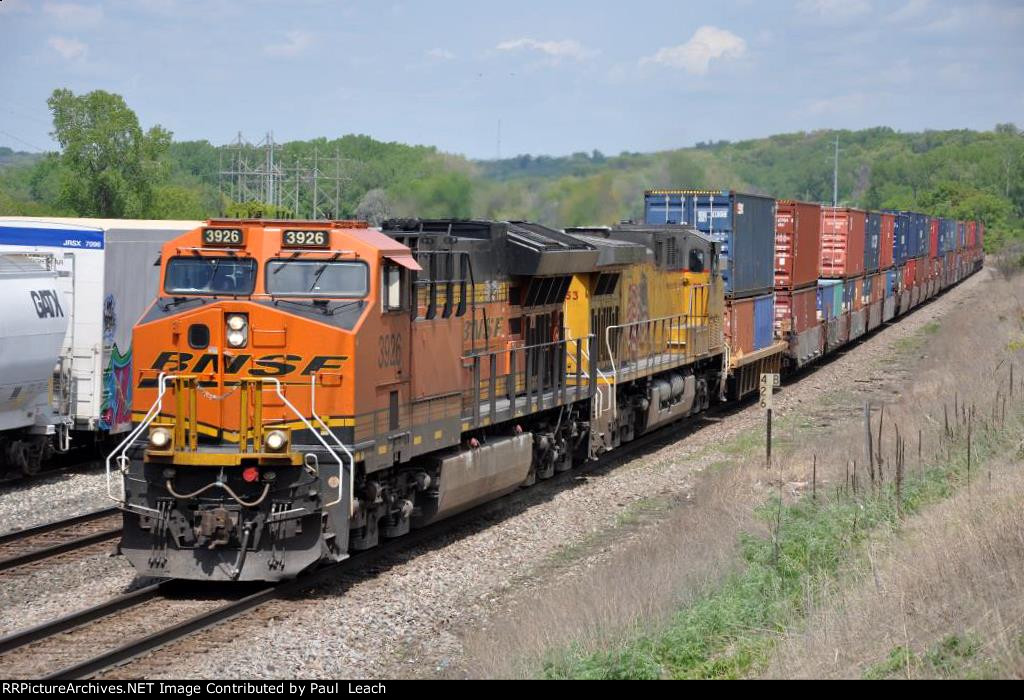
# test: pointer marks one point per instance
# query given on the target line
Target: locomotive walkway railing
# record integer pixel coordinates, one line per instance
(649, 346)
(515, 381)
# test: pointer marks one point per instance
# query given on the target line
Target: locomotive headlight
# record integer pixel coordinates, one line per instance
(160, 438)
(275, 441)
(238, 330)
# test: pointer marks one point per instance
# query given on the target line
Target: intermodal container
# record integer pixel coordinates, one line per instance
(872, 242)
(885, 252)
(795, 310)
(922, 270)
(890, 283)
(981, 235)
(878, 287)
(749, 323)
(933, 237)
(972, 234)
(830, 299)
(850, 299)
(947, 236)
(909, 273)
(866, 286)
(764, 321)
(961, 235)
(901, 237)
(919, 235)
(842, 242)
(744, 225)
(797, 244)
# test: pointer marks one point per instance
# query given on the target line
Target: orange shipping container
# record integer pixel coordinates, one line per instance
(795, 311)
(739, 325)
(797, 244)
(878, 287)
(885, 255)
(842, 242)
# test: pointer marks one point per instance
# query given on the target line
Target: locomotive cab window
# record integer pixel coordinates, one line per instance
(393, 286)
(696, 260)
(317, 278)
(208, 275)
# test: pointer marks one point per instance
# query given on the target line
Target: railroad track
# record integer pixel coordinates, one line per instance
(93, 640)
(43, 542)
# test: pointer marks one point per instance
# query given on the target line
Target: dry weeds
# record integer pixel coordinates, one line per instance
(945, 574)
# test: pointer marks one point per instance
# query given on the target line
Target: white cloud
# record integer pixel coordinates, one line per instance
(70, 49)
(833, 11)
(695, 56)
(295, 43)
(73, 14)
(840, 104)
(567, 48)
(440, 54)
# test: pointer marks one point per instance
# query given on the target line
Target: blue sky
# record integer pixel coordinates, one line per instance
(561, 76)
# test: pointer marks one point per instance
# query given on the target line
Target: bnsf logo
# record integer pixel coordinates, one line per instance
(47, 303)
(265, 366)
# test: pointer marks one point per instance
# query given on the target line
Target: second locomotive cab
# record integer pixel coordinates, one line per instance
(304, 389)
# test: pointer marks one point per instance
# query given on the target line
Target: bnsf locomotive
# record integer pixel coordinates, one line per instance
(304, 389)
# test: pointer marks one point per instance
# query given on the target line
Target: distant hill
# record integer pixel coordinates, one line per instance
(968, 174)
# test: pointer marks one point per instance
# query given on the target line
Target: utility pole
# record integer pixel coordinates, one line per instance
(835, 178)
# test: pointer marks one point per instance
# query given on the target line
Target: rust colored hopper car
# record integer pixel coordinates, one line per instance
(305, 389)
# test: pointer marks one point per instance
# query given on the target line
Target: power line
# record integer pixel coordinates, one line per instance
(20, 140)
(259, 173)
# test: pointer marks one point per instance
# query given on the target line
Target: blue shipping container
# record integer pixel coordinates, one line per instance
(830, 299)
(743, 224)
(947, 236)
(764, 321)
(901, 236)
(849, 294)
(890, 283)
(872, 242)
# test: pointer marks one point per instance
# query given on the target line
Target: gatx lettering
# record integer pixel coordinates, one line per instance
(47, 303)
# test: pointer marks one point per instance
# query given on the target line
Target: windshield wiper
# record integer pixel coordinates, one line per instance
(181, 300)
(319, 304)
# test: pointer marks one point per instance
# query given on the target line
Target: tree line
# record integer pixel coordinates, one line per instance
(109, 166)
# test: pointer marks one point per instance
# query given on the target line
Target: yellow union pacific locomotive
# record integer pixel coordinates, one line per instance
(304, 388)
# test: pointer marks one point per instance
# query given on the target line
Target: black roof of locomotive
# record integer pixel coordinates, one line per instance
(527, 248)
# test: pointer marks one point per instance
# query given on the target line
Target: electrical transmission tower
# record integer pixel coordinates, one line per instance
(295, 186)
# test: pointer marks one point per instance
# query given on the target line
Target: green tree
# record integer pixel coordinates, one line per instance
(441, 195)
(109, 166)
(256, 210)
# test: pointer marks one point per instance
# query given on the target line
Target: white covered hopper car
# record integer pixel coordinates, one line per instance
(112, 275)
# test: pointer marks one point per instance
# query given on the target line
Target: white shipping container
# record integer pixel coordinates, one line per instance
(112, 264)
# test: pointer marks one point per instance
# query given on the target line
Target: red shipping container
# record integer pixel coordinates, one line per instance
(922, 270)
(972, 234)
(909, 273)
(885, 255)
(933, 231)
(842, 242)
(797, 244)
(796, 311)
